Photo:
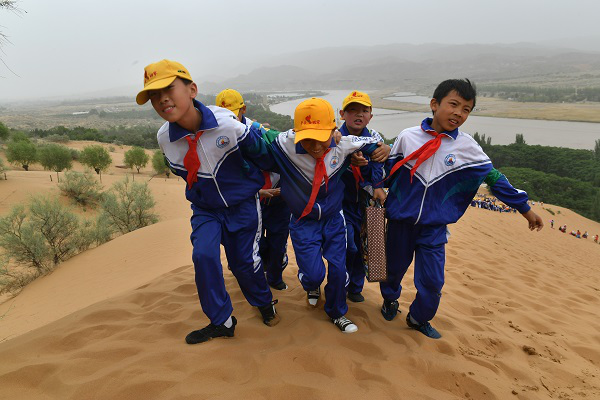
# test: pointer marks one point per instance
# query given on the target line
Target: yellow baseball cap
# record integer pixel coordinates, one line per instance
(313, 119)
(357, 97)
(230, 99)
(160, 75)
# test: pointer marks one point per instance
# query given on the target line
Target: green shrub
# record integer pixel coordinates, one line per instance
(159, 163)
(34, 242)
(136, 158)
(81, 187)
(55, 157)
(96, 157)
(21, 153)
(128, 206)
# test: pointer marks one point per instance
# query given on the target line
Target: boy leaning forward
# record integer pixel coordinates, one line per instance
(208, 148)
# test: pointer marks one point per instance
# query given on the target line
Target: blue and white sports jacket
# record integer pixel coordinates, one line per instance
(297, 170)
(225, 177)
(444, 185)
(372, 177)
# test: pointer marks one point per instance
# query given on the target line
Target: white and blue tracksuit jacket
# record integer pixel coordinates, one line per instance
(225, 177)
(444, 184)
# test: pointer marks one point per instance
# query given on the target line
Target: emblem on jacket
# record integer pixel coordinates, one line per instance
(335, 160)
(450, 160)
(222, 141)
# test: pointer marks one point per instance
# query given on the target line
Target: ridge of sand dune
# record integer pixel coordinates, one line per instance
(518, 315)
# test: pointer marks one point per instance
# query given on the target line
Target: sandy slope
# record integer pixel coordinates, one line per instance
(518, 315)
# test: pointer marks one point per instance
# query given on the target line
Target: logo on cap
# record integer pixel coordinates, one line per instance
(308, 120)
(450, 160)
(222, 141)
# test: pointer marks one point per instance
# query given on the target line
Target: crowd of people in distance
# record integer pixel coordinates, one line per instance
(490, 203)
(577, 233)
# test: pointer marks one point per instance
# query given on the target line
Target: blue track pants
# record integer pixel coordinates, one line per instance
(427, 244)
(238, 229)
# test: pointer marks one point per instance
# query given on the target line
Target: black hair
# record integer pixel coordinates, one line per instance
(463, 87)
(186, 81)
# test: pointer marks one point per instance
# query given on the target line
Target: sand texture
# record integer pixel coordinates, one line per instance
(519, 319)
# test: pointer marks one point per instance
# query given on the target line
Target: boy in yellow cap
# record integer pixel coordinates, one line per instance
(275, 212)
(311, 164)
(206, 146)
(357, 113)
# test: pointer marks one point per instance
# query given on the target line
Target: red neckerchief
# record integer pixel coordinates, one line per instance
(422, 154)
(191, 162)
(320, 174)
(357, 175)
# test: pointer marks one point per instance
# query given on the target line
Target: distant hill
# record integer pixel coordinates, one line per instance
(416, 67)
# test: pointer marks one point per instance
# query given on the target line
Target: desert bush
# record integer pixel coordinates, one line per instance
(4, 132)
(95, 157)
(128, 206)
(159, 165)
(56, 138)
(81, 187)
(55, 157)
(2, 169)
(136, 158)
(21, 153)
(34, 242)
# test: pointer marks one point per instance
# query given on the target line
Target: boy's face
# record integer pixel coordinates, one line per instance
(174, 101)
(357, 117)
(316, 148)
(451, 112)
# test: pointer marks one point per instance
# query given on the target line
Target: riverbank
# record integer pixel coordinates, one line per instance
(500, 108)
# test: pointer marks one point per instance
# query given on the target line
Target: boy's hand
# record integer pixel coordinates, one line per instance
(381, 153)
(358, 160)
(268, 193)
(535, 221)
(337, 136)
(379, 194)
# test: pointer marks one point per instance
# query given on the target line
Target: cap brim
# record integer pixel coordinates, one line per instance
(364, 103)
(142, 96)
(320, 135)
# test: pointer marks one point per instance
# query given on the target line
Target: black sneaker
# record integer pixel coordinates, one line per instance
(389, 309)
(269, 314)
(312, 296)
(211, 331)
(280, 286)
(425, 328)
(356, 297)
(344, 324)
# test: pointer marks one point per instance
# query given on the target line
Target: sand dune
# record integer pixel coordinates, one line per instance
(518, 314)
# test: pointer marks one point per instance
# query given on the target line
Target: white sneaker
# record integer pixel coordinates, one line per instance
(312, 296)
(344, 324)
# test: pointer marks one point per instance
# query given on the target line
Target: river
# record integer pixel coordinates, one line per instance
(575, 135)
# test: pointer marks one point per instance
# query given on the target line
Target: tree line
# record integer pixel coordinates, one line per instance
(566, 177)
(527, 93)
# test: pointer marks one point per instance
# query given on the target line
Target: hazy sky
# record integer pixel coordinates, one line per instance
(62, 47)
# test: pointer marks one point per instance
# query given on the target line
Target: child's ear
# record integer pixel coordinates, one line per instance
(433, 104)
(193, 90)
(341, 114)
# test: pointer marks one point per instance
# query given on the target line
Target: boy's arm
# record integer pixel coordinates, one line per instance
(515, 198)
(375, 168)
(256, 149)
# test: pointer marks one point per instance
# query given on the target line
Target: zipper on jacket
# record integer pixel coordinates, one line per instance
(426, 187)
(213, 175)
